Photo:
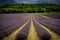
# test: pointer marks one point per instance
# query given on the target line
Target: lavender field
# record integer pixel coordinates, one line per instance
(29, 26)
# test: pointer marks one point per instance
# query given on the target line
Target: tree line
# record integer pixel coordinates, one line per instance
(29, 8)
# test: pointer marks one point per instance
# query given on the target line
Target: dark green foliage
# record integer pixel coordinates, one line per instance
(29, 8)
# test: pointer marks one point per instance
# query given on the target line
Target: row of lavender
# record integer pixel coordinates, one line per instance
(10, 22)
(53, 24)
(22, 35)
(42, 33)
